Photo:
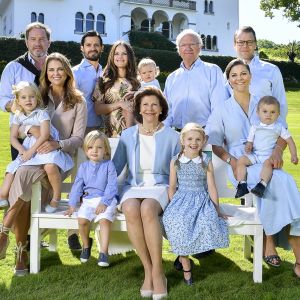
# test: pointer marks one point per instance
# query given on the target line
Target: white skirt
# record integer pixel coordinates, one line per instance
(157, 192)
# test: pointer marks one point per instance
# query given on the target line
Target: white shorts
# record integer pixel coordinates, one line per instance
(88, 207)
(257, 159)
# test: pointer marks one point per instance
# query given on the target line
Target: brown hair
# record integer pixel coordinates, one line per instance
(247, 29)
(110, 72)
(94, 135)
(72, 95)
(233, 63)
(150, 91)
(37, 25)
(16, 89)
(268, 100)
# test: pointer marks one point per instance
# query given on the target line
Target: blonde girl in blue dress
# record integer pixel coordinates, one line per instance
(192, 220)
(28, 111)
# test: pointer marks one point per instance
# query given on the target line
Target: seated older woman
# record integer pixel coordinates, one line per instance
(68, 112)
(280, 206)
(147, 149)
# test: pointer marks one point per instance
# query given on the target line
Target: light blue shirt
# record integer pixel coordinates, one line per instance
(193, 93)
(128, 152)
(266, 81)
(86, 76)
(95, 180)
(12, 74)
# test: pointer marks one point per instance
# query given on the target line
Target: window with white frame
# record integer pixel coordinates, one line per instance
(33, 17)
(79, 22)
(89, 22)
(41, 18)
(100, 25)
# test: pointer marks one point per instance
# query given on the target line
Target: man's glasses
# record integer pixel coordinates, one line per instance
(188, 45)
(245, 43)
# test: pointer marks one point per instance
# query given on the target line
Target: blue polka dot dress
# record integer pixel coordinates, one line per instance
(191, 221)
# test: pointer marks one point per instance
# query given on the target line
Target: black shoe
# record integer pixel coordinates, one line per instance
(86, 252)
(241, 190)
(74, 243)
(178, 264)
(259, 190)
(204, 254)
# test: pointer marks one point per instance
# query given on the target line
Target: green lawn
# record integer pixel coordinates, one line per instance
(224, 275)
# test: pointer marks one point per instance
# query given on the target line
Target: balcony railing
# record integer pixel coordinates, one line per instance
(167, 3)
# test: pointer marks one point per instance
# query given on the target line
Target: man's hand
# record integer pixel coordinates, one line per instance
(47, 147)
(276, 157)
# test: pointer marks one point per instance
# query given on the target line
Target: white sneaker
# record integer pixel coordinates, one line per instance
(3, 203)
(50, 209)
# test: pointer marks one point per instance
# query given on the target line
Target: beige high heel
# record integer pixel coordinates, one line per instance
(4, 240)
(161, 296)
(21, 257)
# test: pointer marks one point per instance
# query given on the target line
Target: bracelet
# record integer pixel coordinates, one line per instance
(59, 145)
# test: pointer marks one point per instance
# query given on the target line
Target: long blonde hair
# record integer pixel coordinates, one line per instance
(94, 135)
(72, 95)
(16, 89)
(187, 128)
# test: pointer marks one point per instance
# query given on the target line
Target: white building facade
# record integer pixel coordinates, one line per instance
(216, 21)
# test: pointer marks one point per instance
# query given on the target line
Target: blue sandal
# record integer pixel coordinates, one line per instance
(273, 260)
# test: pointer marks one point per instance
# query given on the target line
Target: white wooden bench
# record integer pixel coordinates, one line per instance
(244, 221)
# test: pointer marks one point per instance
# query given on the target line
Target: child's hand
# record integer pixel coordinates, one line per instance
(100, 208)
(248, 147)
(294, 159)
(26, 155)
(70, 211)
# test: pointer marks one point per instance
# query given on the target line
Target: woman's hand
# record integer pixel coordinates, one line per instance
(47, 147)
(101, 208)
(69, 211)
(126, 106)
(128, 97)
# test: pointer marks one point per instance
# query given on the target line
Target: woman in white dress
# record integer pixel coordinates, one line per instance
(147, 149)
(279, 209)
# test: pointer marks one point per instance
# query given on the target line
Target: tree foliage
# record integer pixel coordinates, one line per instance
(290, 8)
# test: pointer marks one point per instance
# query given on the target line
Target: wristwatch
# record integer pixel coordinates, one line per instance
(60, 145)
(228, 160)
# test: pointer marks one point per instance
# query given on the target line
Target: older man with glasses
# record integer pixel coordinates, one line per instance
(196, 87)
(266, 77)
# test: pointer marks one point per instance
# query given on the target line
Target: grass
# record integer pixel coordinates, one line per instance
(224, 275)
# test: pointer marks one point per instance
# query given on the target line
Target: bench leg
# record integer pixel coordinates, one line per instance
(53, 240)
(35, 244)
(257, 254)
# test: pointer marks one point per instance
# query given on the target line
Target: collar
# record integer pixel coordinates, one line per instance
(196, 63)
(197, 160)
(254, 61)
(267, 125)
(86, 64)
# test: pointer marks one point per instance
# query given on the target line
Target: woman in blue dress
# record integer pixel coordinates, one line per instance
(280, 206)
(193, 221)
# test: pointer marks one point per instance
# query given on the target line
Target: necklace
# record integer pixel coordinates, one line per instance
(150, 131)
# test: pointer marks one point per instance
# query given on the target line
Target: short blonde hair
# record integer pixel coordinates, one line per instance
(16, 89)
(146, 62)
(91, 138)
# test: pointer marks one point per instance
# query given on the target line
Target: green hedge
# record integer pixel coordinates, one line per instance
(168, 61)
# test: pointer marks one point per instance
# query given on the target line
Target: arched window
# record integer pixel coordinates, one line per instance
(205, 7)
(211, 7)
(208, 42)
(214, 43)
(33, 17)
(203, 40)
(100, 25)
(89, 22)
(79, 22)
(41, 18)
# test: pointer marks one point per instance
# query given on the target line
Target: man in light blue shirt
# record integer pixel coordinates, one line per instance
(26, 67)
(266, 78)
(194, 89)
(87, 73)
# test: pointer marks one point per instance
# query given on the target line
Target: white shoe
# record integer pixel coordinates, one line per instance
(3, 203)
(161, 296)
(50, 209)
